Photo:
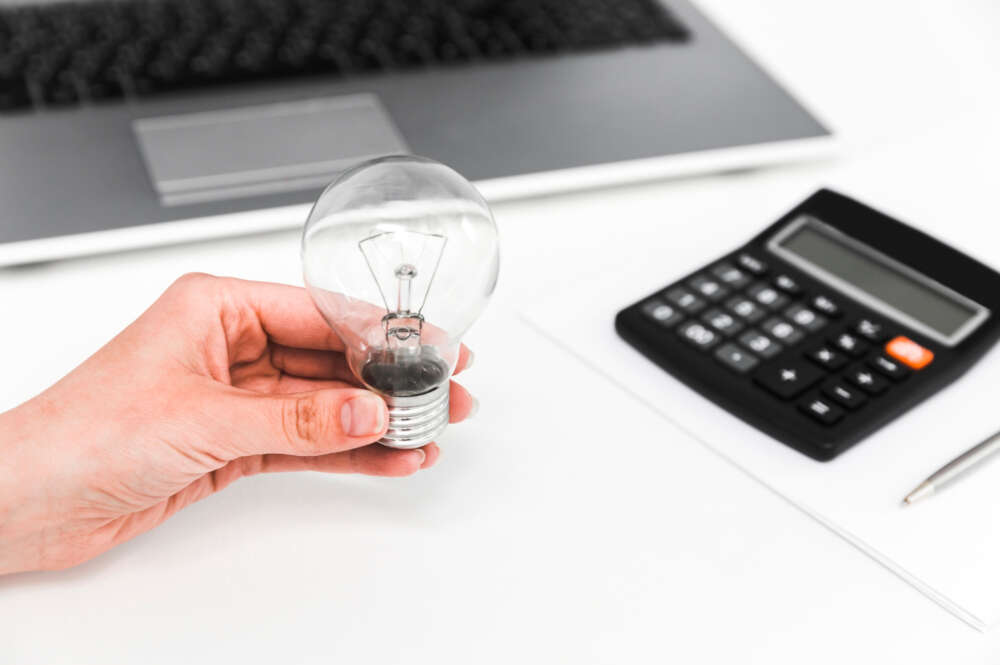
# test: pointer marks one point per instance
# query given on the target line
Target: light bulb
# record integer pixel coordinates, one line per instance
(401, 255)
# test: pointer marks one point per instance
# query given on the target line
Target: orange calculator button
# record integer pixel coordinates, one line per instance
(908, 352)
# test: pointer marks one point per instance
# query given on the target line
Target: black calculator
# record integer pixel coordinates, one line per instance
(831, 323)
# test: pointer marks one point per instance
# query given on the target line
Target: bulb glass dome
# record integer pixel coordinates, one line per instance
(401, 255)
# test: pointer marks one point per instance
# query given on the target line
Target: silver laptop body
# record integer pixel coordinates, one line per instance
(177, 168)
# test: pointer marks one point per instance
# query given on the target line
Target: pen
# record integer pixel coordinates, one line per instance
(949, 472)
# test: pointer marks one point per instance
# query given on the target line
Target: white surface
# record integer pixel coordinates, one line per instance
(534, 540)
(857, 495)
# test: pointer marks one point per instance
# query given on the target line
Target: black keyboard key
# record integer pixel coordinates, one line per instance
(746, 309)
(868, 380)
(844, 395)
(821, 410)
(731, 276)
(788, 284)
(737, 359)
(751, 264)
(850, 344)
(767, 296)
(827, 358)
(788, 380)
(805, 317)
(661, 312)
(782, 331)
(888, 367)
(685, 300)
(871, 330)
(825, 306)
(13, 94)
(722, 322)
(760, 344)
(699, 335)
(708, 287)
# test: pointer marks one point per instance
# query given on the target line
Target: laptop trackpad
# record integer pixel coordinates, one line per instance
(217, 155)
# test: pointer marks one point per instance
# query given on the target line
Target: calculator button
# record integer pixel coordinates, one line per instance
(826, 357)
(805, 317)
(661, 312)
(868, 380)
(788, 380)
(822, 410)
(870, 330)
(826, 306)
(850, 344)
(908, 352)
(767, 296)
(699, 335)
(845, 395)
(709, 287)
(782, 330)
(746, 309)
(751, 264)
(760, 344)
(735, 358)
(890, 368)
(686, 300)
(787, 284)
(731, 276)
(723, 322)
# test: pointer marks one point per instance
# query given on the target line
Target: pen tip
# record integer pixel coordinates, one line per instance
(925, 489)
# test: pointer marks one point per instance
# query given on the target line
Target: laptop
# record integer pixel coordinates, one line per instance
(132, 123)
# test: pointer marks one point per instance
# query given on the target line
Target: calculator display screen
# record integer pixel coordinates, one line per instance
(878, 280)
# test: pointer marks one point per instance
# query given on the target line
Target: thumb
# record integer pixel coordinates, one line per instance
(305, 424)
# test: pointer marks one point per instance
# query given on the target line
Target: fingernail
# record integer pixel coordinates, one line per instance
(423, 456)
(363, 415)
(475, 408)
(470, 360)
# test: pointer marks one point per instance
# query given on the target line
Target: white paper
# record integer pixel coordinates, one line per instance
(948, 546)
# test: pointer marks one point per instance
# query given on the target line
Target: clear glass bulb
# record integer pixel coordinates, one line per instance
(401, 255)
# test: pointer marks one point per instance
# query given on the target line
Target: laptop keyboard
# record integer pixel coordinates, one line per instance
(64, 54)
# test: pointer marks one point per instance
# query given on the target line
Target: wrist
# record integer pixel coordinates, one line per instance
(15, 503)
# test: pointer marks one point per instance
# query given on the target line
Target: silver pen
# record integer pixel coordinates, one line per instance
(955, 468)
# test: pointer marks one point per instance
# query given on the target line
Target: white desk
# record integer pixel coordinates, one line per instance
(534, 540)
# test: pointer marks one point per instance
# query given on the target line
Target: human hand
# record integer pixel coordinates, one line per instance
(219, 379)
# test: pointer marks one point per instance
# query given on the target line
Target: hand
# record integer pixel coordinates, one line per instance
(218, 380)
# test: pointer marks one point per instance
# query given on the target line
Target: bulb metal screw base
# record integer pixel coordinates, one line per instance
(416, 421)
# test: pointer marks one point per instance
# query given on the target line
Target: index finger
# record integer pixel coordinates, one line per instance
(289, 317)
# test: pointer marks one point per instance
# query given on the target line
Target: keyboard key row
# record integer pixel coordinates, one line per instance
(790, 379)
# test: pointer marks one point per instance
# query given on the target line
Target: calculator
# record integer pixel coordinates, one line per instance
(825, 327)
